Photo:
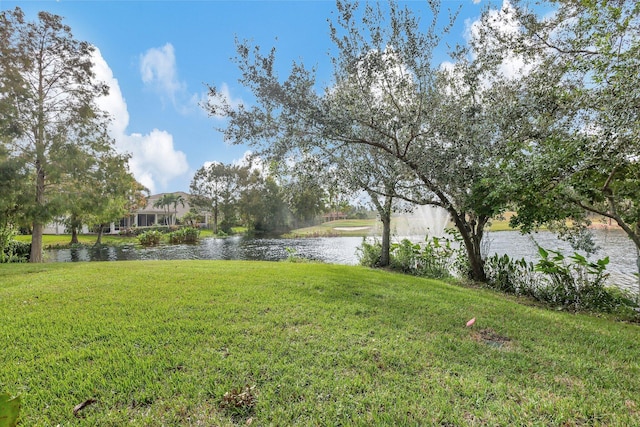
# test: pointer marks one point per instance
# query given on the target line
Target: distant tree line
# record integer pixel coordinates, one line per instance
(260, 199)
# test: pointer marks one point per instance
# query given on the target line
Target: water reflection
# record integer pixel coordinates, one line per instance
(335, 250)
(343, 250)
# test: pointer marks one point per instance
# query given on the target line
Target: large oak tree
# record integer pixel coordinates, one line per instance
(389, 95)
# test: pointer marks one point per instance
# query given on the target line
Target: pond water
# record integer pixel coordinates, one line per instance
(343, 250)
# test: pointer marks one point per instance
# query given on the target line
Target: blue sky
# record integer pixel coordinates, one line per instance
(157, 57)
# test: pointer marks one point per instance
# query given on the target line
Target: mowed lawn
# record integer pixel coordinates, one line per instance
(162, 343)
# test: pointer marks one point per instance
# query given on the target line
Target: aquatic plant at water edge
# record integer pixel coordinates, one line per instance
(184, 235)
(510, 275)
(572, 282)
(150, 238)
(575, 282)
(432, 258)
(369, 253)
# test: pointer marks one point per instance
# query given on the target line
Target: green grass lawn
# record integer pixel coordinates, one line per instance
(64, 240)
(162, 343)
(335, 228)
(342, 227)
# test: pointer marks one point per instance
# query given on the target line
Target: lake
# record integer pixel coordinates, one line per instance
(343, 250)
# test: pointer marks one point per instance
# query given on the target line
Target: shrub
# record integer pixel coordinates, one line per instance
(184, 235)
(150, 238)
(431, 259)
(577, 284)
(12, 250)
(15, 251)
(404, 256)
(369, 253)
(512, 276)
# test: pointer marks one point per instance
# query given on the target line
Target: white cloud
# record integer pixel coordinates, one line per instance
(154, 160)
(248, 159)
(503, 21)
(158, 70)
(253, 162)
(113, 103)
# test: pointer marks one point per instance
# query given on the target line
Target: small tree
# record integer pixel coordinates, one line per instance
(216, 188)
(177, 200)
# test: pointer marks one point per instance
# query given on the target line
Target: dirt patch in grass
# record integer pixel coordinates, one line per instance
(491, 338)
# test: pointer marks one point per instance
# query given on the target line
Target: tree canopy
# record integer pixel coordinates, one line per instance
(389, 96)
(580, 97)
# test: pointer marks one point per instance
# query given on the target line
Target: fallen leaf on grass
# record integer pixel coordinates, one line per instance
(9, 410)
(80, 406)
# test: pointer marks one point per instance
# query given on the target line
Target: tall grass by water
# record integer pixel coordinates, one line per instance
(224, 343)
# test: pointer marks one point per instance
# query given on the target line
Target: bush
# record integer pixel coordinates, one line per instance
(404, 256)
(20, 251)
(12, 250)
(431, 259)
(137, 231)
(150, 238)
(578, 284)
(511, 276)
(369, 253)
(184, 235)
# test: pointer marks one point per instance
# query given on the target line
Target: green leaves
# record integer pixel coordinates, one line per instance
(9, 410)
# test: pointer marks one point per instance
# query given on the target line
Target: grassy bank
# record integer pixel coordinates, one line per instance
(163, 343)
(342, 227)
(50, 241)
(64, 240)
(367, 227)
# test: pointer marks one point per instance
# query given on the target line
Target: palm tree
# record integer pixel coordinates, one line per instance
(176, 198)
(164, 202)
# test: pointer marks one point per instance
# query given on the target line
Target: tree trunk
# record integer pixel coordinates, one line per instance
(385, 258)
(472, 242)
(74, 235)
(384, 210)
(36, 243)
(215, 218)
(38, 227)
(99, 239)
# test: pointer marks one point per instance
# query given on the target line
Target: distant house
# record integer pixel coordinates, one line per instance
(334, 216)
(148, 216)
(152, 215)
